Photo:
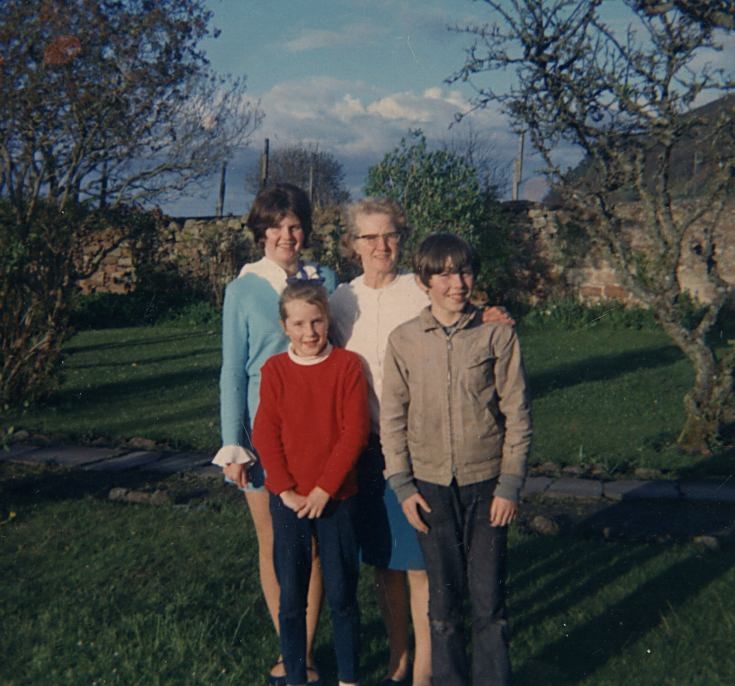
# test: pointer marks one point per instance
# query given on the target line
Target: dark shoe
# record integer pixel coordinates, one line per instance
(281, 680)
(274, 680)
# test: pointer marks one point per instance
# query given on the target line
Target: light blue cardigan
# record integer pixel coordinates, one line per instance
(251, 333)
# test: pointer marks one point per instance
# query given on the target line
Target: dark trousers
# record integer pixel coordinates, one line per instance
(338, 553)
(463, 552)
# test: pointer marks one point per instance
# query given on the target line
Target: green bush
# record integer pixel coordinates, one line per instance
(44, 251)
(572, 314)
(142, 308)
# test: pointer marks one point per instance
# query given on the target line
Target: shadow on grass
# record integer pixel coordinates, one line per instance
(188, 355)
(582, 649)
(162, 423)
(602, 368)
(29, 487)
(102, 393)
(590, 573)
(553, 580)
(132, 341)
(720, 466)
(661, 520)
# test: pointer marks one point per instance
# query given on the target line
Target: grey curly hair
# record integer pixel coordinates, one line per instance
(370, 206)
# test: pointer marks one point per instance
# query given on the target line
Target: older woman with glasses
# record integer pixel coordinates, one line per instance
(280, 220)
(364, 312)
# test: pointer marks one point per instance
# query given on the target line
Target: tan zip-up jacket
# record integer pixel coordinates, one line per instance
(455, 406)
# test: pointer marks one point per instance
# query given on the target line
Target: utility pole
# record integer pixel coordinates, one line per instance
(264, 161)
(222, 185)
(312, 162)
(311, 183)
(518, 168)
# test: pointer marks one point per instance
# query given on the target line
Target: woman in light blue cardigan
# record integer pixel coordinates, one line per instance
(280, 220)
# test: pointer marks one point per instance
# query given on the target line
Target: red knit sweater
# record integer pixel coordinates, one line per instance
(312, 423)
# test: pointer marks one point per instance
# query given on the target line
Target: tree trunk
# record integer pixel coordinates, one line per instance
(703, 420)
(707, 401)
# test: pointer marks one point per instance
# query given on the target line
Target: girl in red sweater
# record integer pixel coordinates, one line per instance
(311, 426)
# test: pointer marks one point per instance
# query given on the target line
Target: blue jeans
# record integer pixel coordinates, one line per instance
(338, 554)
(462, 551)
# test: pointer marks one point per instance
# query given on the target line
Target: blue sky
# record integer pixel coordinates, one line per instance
(352, 76)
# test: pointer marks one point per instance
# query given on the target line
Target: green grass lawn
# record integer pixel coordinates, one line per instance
(159, 382)
(96, 592)
(604, 394)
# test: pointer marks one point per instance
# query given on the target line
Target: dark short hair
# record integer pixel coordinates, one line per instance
(437, 249)
(310, 291)
(273, 203)
(368, 206)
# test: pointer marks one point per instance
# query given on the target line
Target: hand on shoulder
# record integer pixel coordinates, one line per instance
(497, 314)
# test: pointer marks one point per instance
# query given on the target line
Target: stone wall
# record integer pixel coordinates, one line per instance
(206, 253)
(117, 271)
(582, 271)
(203, 253)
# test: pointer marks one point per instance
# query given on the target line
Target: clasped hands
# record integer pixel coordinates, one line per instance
(310, 506)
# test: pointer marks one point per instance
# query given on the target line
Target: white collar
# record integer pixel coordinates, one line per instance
(359, 282)
(275, 274)
(309, 361)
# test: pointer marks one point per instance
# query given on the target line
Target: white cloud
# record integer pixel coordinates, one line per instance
(407, 106)
(359, 123)
(349, 107)
(313, 39)
(358, 33)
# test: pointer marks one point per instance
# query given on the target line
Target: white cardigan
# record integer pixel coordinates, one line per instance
(363, 317)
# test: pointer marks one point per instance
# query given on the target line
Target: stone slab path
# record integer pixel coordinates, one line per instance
(199, 464)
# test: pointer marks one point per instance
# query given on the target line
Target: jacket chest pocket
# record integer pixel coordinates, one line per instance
(478, 374)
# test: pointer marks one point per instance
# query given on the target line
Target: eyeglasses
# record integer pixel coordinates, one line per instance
(391, 238)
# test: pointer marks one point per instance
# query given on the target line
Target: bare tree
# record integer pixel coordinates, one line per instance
(625, 98)
(480, 152)
(104, 105)
(318, 172)
(111, 101)
(713, 13)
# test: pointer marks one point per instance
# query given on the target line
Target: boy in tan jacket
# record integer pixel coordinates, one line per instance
(455, 430)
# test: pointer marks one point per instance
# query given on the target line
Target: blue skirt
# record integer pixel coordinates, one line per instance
(387, 540)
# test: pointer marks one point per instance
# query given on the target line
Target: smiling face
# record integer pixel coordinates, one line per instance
(306, 326)
(283, 242)
(376, 242)
(449, 292)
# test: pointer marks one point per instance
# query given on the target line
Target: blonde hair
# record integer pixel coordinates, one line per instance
(311, 292)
